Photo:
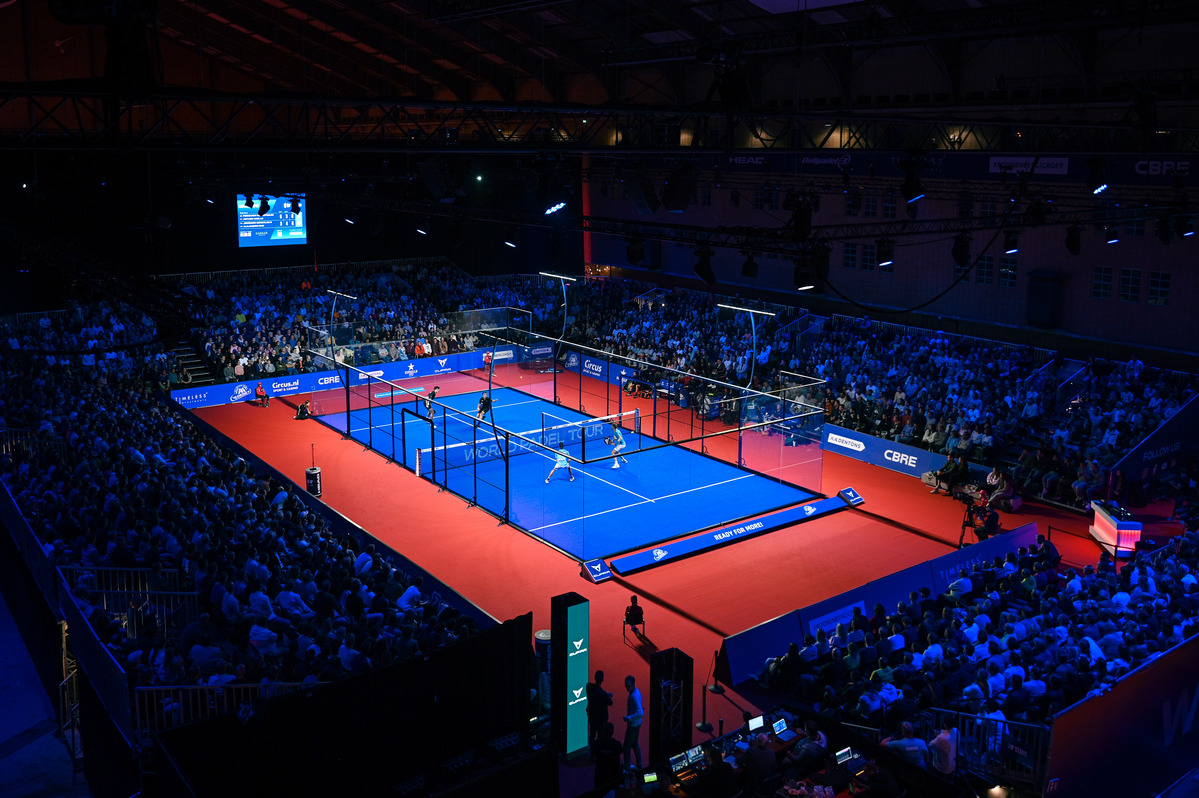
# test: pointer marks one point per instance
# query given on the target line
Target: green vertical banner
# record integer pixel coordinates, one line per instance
(570, 670)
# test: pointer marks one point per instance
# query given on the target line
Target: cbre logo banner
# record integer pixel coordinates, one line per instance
(879, 451)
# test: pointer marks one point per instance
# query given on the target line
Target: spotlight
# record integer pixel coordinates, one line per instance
(249, 203)
(1184, 226)
(557, 206)
(1074, 239)
(210, 202)
(886, 251)
(1096, 180)
(703, 264)
(1011, 242)
(350, 220)
(420, 230)
(1111, 233)
(961, 250)
(264, 207)
(750, 267)
(510, 237)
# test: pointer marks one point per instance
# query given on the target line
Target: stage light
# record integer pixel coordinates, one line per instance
(886, 251)
(557, 206)
(249, 203)
(1184, 226)
(750, 267)
(1011, 242)
(961, 250)
(1074, 239)
(264, 207)
(1096, 179)
(478, 178)
(422, 231)
(209, 201)
(1111, 233)
(349, 220)
(508, 243)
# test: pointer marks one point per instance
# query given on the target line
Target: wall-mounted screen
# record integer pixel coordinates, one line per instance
(269, 220)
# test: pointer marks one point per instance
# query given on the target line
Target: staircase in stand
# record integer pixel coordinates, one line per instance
(191, 360)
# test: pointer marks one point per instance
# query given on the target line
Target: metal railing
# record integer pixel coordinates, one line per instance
(128, 595)
(159, 708)
(13, 441)
(201, 278)
(1002, 751)
(1071, 387)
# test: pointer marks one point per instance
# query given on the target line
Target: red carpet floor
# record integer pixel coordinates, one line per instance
(690, 605)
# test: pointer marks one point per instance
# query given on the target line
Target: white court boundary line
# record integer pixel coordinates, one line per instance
(635, 504)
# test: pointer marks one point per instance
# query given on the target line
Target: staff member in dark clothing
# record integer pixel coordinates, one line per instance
(598, 701)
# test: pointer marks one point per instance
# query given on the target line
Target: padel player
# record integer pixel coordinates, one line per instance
(429, 411)
(616, 441)
(484, 408)
(560, 461)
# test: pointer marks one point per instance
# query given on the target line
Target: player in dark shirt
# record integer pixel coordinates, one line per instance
(484, 408)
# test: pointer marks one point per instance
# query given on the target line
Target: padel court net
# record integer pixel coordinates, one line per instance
(547, 455)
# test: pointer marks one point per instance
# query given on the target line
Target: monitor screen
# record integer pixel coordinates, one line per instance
(695, 755)
(780, 725)
(679, 762)
(844, 755)
(651, 778)
(267, 220)
(756, 724)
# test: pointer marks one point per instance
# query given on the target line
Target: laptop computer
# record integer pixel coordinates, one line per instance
(843, 756)
(757, 724)
(781, 731)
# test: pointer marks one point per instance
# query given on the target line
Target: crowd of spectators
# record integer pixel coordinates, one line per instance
(1018, 639)
(980, 400)
(113, 477)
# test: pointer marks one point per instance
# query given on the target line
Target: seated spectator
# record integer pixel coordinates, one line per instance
(908, 746)
(949, 474)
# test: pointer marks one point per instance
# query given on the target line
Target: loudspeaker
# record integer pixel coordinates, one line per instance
(671, 695)
(1045, 300)
(641, 190)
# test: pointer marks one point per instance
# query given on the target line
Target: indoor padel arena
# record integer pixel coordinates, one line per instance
(599, 399)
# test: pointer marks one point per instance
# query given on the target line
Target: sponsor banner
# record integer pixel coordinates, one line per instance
(1163, 449)
(1152, 712)
(597, 571)
(878, 451)
(936, 574)
(598, 368)
(744, 654)
(230, 393)
(1022, 164)
(719, 537)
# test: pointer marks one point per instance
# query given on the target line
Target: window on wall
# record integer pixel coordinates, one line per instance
(987, 207)
(984, 270)
(1159, 289)
(853, 203)
(1134, 228)
(1130, 285)
(760, 198)
(849, 256)
(869, 256)
(888, 207)
(1007, 271)
(1101, 282)
(870, 206)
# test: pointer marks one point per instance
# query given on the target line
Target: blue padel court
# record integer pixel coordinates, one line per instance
(657, 495)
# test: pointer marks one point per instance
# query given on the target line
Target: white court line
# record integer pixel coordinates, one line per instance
(635, 504)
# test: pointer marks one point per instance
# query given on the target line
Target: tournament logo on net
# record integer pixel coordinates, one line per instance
(659, 554)
(808, 509)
